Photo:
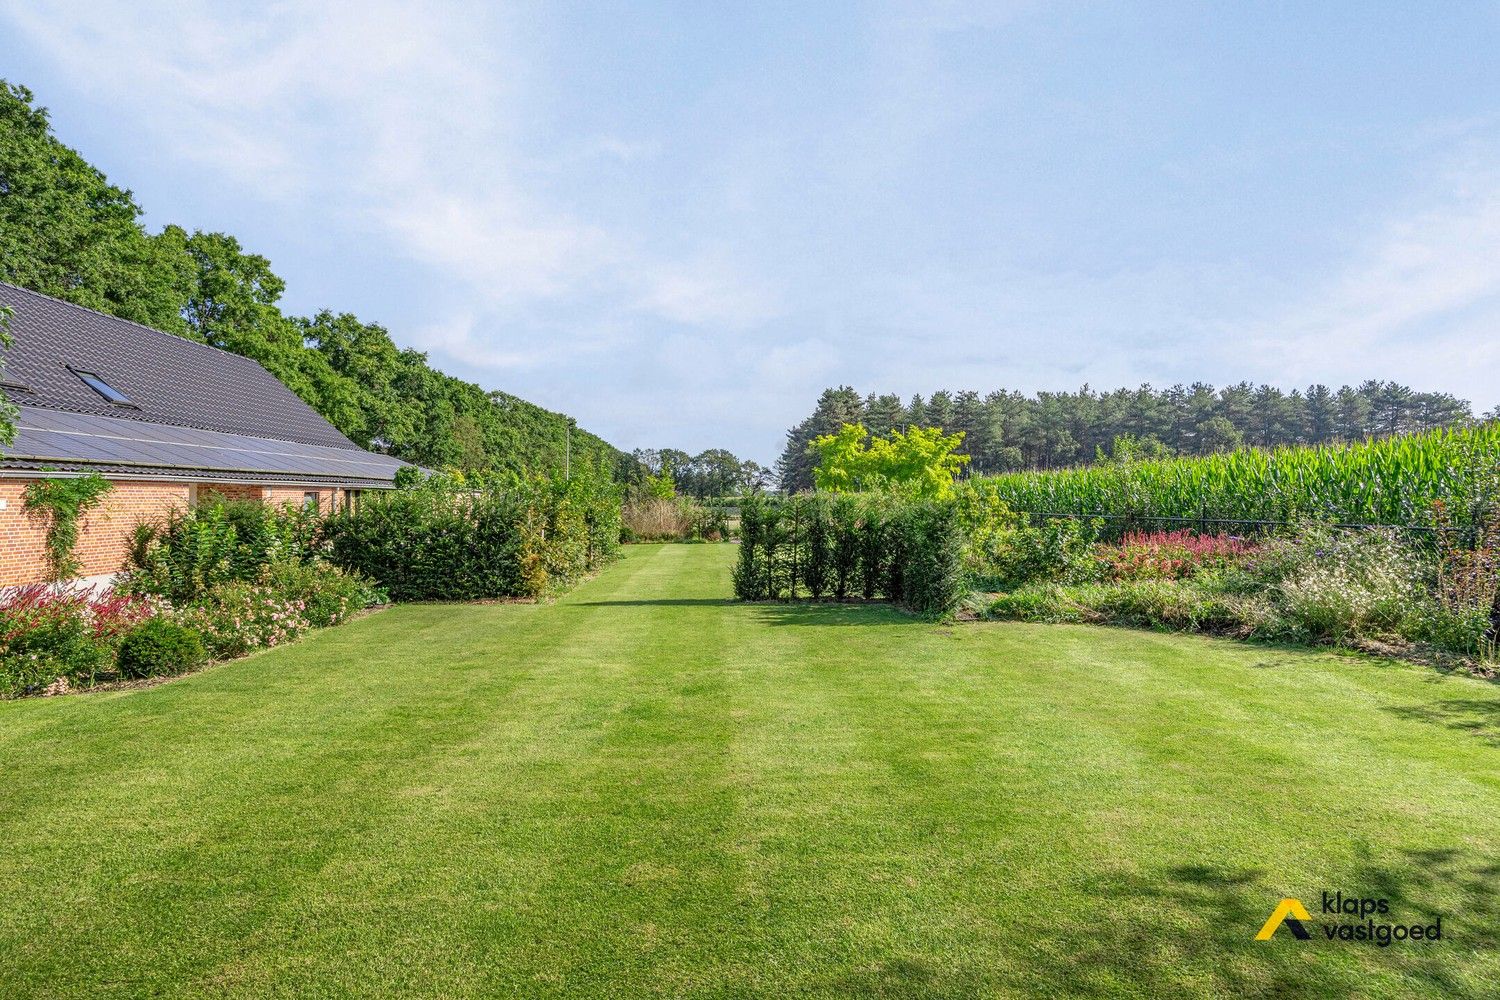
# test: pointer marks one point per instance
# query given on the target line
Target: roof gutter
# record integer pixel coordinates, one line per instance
(174, 477)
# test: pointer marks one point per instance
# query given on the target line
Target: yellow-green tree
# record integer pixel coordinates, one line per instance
(919, 462)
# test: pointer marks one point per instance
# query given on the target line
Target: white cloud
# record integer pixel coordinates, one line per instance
(624, 150)
(458, 337)
(703, 291)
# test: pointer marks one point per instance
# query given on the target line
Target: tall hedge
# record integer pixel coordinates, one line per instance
(839, 545)
(442, 543)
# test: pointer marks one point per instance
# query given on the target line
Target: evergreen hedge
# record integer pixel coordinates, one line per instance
(838, 545)
(446, 542)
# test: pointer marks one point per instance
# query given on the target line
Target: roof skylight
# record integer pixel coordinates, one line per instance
(103, 388)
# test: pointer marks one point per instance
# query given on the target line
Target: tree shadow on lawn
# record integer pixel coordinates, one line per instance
(1476, 716)
(813, 613)
(832, 613)
(1191, 928)
(664, 602)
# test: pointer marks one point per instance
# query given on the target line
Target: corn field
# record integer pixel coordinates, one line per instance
(1383, 481)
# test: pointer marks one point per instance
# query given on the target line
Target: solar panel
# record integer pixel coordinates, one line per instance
(60, 436)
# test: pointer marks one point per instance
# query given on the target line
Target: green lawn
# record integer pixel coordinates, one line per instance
(645, 789)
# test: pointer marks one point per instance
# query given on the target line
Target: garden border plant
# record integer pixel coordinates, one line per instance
(1318, 584)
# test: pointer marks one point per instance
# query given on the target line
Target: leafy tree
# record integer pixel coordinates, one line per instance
(836, 407)
(939, 409)
(918, 463)
(468, 444)
(884, 414)
(1321, 414)
(662, 485)
(1218, 434)
(968, 420)
(1353, 413)
(756, 477)
(712, 473)
(1127, 448)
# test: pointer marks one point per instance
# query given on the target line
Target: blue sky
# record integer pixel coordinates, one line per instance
(679, 222)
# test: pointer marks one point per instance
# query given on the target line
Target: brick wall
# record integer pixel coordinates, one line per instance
(233, 491)
(103, 534)
(327, 498)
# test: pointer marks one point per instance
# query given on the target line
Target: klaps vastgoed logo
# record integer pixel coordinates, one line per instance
(1291, 914)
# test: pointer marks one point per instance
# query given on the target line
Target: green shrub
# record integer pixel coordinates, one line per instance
(818, 544)
(844, 550)
(326, 594)
(874, 529)
(710, 521)
(905, 550)
(1467, 631)
(1183, 605)
(1334, 586)
(1318, 585)
(192, 551)
(1059, 550)
(159, 647)
(1037, 603)
(930, 556)
(1170, 604)
(767, 557)
(49, 649)
(446, 542)
(749, 575)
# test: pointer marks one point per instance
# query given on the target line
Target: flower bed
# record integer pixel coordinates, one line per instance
(1172, 555)
(219, 581)
(61, 638)
(1314, 584)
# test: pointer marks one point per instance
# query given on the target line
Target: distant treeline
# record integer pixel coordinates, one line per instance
(67, 232)
(711, 473)
(1005, 430)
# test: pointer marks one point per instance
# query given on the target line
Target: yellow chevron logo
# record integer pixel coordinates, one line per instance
(1290, 912)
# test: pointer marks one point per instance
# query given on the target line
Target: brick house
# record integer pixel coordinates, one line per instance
(166, 420)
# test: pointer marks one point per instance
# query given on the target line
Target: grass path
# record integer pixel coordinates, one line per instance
(645, 789)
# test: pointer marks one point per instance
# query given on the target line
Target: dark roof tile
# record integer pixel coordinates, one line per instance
(168, 379)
